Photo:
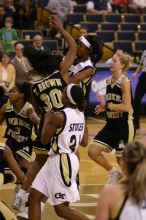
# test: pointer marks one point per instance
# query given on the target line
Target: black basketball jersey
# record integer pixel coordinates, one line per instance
(19, 126)
(47, 92)
(114, 95)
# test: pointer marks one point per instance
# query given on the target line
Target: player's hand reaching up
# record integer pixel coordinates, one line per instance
(54, 21)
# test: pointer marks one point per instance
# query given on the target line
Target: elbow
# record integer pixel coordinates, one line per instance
(84, 143)
(74, 49)
(127, 108)
(44, 141)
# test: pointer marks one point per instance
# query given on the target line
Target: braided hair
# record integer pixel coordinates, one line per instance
(44, 62)
(96, 49)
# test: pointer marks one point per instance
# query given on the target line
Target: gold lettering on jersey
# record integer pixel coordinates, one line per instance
(16, 135)
(19, 122)
(114, 114)
(113, 97)
(49, 83)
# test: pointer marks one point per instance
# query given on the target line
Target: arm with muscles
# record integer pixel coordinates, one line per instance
(103, 205)
(53, 120)
(13, 164)
(49, 128)
(33, 116)
(84, 140)
(102, 106)
(33, 102)
(70, 56)
(2, 113)
(81, 75)
(125, 106)
(139, 68)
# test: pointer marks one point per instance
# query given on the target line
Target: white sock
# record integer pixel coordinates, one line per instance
(42, 206)
(112, 170)
(21, 193)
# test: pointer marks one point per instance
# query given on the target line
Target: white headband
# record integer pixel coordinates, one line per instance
(68, 91)
(84, 41)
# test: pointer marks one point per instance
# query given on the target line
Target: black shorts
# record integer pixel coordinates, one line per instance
(39, 148)
(23, 149)
(115, 137)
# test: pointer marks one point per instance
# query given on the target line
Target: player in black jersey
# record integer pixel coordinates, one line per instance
(119, 123)
(51, 69)
(7, 159)
(20, 118)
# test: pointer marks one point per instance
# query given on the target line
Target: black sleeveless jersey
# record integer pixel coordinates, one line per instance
(114, 95)
(47, 92)
(19, 126)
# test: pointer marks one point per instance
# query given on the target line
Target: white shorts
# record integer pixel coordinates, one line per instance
(57, 179)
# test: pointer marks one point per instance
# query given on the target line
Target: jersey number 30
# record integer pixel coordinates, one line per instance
(52, 100)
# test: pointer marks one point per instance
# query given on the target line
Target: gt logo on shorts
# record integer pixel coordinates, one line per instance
(59, 195)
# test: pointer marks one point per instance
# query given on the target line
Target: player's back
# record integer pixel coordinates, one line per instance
(47, 92)
(67, 139)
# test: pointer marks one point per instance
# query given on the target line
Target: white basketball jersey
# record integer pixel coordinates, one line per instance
(79, 67)
(133, 211)
(67, 139)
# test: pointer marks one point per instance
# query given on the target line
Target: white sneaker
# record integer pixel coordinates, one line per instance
(16, 201)
(23, 209)
(23, 214)
(113, 176)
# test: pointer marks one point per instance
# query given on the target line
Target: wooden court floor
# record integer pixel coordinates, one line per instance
(92, 177)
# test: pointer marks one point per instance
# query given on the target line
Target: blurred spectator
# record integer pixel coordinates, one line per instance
(8, 35)
(38, 42)
(7, 72)
(120, 5)
(61, 8)
(140, 88)
(9, 8)
(96, 6)
(2, 16)
(20, 19)
(21, 64)
(32, 15)
(137, 6)
(81, 1)
(83, 32)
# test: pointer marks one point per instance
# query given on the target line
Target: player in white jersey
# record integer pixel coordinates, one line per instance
(57, 179)
(88, 54)
(129, 195)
